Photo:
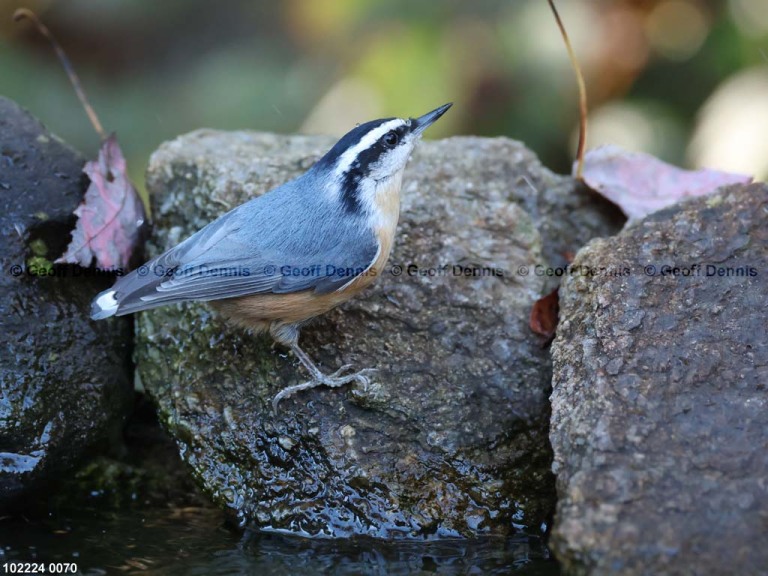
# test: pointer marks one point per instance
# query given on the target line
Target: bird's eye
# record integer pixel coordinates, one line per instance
(391, 139)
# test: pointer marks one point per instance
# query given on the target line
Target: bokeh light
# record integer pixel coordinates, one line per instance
(731, 130)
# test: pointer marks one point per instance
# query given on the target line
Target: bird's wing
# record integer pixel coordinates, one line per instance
(253, 249)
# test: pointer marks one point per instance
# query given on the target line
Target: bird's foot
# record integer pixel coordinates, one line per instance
(331, 380)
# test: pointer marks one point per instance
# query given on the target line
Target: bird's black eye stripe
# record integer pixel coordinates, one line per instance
(390, 139)
(360, 167)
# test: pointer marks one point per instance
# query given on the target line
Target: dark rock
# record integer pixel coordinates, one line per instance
(64, 380)
(450, 438)
(142, 472)
(659, 408)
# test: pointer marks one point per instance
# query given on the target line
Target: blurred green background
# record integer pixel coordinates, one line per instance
(686, 80)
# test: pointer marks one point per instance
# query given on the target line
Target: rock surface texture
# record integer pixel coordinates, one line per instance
(660, 407)
(64, 380)
(450, 437)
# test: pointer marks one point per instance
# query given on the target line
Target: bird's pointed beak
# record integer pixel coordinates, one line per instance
(423, 122)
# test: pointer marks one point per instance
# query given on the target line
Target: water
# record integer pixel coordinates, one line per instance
(197, 541)
(138, 512)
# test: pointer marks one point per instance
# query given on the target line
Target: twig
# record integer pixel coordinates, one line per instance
(22, 13)
(582, 93)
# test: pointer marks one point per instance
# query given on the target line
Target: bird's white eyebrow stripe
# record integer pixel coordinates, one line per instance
(346, 159)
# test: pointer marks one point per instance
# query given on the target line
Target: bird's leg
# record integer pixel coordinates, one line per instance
(319, 378)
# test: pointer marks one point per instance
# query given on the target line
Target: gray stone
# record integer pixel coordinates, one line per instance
(450, 437)
(64, 380)
(659, 407)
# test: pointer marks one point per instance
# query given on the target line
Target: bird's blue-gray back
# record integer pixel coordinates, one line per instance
(285, 241)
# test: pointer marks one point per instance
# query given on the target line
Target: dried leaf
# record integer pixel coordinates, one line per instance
(640, 183)
(110, 216)
(544, 314)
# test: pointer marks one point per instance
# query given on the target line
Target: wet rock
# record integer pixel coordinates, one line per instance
(64, 380)
(450, 438)
(659, 408)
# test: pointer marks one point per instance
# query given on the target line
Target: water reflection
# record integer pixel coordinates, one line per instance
(197, 541)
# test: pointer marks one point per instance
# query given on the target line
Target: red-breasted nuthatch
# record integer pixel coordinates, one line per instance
(337, 220)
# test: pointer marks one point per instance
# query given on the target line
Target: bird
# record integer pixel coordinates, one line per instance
(293, 253)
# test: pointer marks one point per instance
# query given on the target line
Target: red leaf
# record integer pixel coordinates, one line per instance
(544, 314)
(640, 183)
(110, 216)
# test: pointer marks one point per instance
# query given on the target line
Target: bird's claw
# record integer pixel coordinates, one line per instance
(331, 380)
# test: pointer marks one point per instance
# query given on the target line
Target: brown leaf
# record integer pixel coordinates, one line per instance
(544, 314)
(110, 216)
(639, 183)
